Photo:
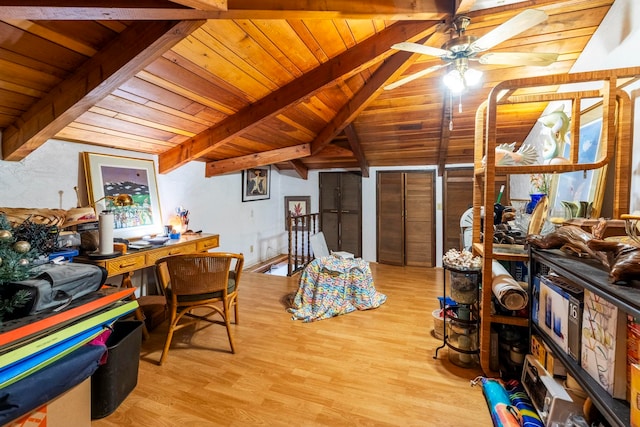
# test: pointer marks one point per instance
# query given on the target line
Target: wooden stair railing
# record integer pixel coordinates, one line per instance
(300, 228)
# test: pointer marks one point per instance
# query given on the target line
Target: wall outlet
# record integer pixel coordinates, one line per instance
(251, 248)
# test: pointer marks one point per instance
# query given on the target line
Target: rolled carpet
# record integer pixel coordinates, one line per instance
(506, 290)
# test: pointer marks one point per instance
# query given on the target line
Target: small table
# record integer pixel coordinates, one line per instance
(138, 259)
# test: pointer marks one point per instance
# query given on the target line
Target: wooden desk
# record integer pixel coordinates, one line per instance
(133, 260)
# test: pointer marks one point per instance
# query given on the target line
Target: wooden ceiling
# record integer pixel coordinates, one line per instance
(243, 83)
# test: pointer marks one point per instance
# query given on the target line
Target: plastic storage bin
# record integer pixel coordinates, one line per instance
(112, 382)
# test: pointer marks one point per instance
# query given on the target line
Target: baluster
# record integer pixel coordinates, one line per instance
(289, 238)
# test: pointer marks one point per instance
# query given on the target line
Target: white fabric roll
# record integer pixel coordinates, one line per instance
(105, 230)
(506, 290)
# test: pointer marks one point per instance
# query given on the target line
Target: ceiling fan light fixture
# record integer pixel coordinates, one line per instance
(459, 79)
(472, 77)
(454, 80)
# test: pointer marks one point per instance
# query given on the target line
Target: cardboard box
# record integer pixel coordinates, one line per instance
(520, 271)
(72, 408)
(560, 312)
(604, 344)
(634, 401)
(535, 300)
(633, 348)
(538, 350)
(554, 366)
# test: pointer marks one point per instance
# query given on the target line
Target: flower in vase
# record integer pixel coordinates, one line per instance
(540, 183)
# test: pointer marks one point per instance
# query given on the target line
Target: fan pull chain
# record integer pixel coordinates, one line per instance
(460, 103)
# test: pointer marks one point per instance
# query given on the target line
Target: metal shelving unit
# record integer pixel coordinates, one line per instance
(589, 275)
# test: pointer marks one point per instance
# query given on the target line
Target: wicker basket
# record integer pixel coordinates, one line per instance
(17, 216)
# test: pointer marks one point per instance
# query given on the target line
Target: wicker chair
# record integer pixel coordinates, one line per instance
(200, 280)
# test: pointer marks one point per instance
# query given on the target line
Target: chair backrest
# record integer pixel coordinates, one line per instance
(319, 245)
(201, 273)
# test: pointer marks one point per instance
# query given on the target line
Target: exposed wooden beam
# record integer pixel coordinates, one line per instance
(395, 10)
(203, 4)
(220, 167)
(99, 76)
(354, 58)
(300, 168)
(354, 143)
(333, 150)
(392, 66)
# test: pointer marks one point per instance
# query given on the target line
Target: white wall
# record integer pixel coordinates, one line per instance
(47, 177)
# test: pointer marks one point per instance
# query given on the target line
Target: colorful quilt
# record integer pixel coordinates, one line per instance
(331, 286)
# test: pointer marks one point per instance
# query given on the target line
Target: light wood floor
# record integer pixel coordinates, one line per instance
(368, 368)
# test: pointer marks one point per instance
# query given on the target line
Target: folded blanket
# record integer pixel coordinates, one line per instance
(330, 286)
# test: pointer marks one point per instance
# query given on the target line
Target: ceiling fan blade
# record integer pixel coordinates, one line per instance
(415, 76)
(519, 58)
(516, 25)
(464, 7)
(419, 48)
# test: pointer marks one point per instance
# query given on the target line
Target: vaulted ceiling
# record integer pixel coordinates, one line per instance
(243, 83)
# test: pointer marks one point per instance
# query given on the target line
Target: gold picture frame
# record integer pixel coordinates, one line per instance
(128, 188)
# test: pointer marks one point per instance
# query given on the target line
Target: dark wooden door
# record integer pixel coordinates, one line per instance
(406, 212)
(390, 209)
(419, 222)
(457, 197)
(341, 211)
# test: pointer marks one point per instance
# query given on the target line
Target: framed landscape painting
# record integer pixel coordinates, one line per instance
(128, 188)
(256, 183)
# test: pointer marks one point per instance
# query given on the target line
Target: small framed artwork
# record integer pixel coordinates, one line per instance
(296, 206)
(128, 188)
(256, 183)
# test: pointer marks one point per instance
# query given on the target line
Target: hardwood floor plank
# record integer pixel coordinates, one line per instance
(370, 368)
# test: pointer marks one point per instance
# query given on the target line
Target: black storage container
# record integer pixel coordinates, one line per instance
(114, 380)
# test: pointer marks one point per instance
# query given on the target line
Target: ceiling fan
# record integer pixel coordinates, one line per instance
(464, 48)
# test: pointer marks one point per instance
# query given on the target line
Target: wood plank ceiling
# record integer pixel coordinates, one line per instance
(245, 83)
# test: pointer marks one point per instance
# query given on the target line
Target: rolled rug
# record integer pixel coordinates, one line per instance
(506, 289)
(503, 412)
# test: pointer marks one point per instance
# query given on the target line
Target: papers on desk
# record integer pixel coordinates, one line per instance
(139, 244)
(158, 240)
(147, 242)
